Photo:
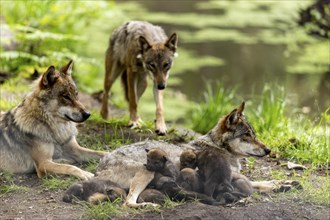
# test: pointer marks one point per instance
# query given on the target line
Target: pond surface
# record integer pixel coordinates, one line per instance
(252, 43)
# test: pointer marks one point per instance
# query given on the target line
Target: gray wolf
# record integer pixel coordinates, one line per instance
(42, 129)
(233, 134)
(138, 49)
(94, 191)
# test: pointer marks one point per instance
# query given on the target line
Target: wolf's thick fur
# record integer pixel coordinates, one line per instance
(94, 191)
(214, 176)
(135, 50)
(232, 134)
(165, 170)
(43, 128)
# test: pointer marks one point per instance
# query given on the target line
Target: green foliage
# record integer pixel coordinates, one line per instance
(7, 184)
(104, 210)
(12, 188)
(268, 114)
(46, 34)
(53, 183)
(216, 104)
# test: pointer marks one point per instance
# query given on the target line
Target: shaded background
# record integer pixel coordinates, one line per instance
(245, 45)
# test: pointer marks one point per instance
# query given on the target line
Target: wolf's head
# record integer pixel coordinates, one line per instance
(234, 132)
(158, 59)
(58, 94)
(156, 159)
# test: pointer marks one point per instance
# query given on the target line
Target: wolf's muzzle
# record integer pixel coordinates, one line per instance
(267, 151)
(85, 115)
(161, 86)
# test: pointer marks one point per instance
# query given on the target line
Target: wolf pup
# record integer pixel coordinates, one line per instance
(138, 49)
(165, 170)
(213, 177)
(165, 180)
(42, 129)
(94, 191)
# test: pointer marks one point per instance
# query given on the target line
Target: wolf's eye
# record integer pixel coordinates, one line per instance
(152, 66)
(166, 65)
(66, 97)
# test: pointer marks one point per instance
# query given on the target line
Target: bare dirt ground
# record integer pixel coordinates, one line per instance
(38, 202)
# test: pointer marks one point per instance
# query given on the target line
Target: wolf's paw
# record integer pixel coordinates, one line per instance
(104, 112)
(84, 175)
(161, 128)
(140, 205)
(286, 185)
(135, 124)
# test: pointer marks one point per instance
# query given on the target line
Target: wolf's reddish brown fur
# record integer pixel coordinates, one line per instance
(138, 49)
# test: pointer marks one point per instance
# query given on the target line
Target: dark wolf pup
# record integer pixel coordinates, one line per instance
(94, 191)
(42, 129)
(138, 49)
(165, 180)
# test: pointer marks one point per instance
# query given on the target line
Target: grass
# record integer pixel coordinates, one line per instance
(104, 210)
(215, 104)
(7, 184)
(50, 182)
(316, 189)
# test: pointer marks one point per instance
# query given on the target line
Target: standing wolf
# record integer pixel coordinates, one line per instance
(43, 128)
(135, 50)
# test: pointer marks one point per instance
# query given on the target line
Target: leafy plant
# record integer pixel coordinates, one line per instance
(216, 104)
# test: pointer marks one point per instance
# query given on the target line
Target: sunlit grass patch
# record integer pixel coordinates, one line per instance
(206, 114)
(50, 182)
(105, 210)
(12, 188)
(7, 184)
(315, 189)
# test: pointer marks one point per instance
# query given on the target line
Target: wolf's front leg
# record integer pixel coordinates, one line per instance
(275, 185)
(81, 154)
(139, 183)
(42, 156)
(132, 99)
(160, 121)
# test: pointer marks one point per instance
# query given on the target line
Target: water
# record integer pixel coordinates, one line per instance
(252, 57)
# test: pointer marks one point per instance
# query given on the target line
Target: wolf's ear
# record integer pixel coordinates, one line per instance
(144, 44)
(67, 69)
(147, 150)
(172, 42)
(240, 108)
(48, 78)
(233, 117)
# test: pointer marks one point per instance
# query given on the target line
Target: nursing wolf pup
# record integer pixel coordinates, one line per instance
(165, 179)
(138, 49)
(94, 191)
(233, 134)
(164, 168)
(42, 129)
(214, 175)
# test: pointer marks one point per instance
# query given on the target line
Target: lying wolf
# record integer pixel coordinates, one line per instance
(42, 129)
(233, 134)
